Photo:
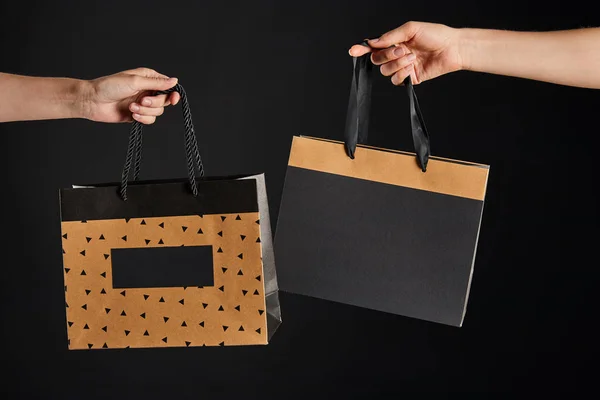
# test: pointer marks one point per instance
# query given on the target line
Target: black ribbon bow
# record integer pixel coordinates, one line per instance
(359, 104)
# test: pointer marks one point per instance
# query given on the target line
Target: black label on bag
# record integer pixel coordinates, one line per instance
(162, 267)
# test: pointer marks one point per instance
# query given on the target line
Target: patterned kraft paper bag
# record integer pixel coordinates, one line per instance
(169, 263)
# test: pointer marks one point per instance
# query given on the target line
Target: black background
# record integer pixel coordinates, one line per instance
(257, 73)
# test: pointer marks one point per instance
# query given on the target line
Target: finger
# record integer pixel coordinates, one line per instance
(146, 111)
(401, 34)
(399, 77)
(390, 68)
(379, 57)
(358, 50)
(153, 83)
(147, 72)
(144, 119)
(160, 100)
(174, 98)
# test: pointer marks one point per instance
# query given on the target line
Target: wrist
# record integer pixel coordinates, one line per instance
(77, 97)
(466, 44)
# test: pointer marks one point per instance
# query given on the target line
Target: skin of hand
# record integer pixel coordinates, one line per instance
(426, 50)
(122, 97)
(128, 95)
(419, 49)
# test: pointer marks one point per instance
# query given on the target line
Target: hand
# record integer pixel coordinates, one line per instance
(128, 96)
(419, 49)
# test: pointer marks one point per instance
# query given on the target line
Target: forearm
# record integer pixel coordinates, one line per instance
(569, 57)
(24, 98)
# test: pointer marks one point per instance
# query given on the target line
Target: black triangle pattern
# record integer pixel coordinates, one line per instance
(86, 326)
(105, 328)
(223, 218)
(258, 278)
(161, 300)
(83, 272)
(261, 312)
(256, 292)
(124, 238)
(164, 339)
(103, 274)
(201, 324)
(241, 256)
(244, 292)
(147, 241)
(161, 242)
(84, 307)
(221, 308)
(243, 237)
(123, 314)
(143, 222)
(106, 256)
(103, 291)
(165, 319)
(220, 250)
(107, 310)
(182, 301)
(241, 329)
(184, 228)
(183, 324)
(237, 307)
(220, 233)
(187, 344)
(257, 240)
(225, 327)
(162, 225)
(65, 236)
(146, 333)
(105, 346)
(101, 237)
(224, 269)
(82, 253)
(204, 305)
(124, 293)
(67, 270)
(89, 239)
(200, 231)
(87, 292)
(146, 296)
(127, 332)
(70, 323)
(240, 272)
(143, 315)
(238, 218)
(222, 288)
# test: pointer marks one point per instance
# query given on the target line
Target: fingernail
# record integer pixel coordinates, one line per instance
(136, 116)
(398, 51)
(146, 102)
(410, 57)
(374, 40)
(394, 79)
(135, 107)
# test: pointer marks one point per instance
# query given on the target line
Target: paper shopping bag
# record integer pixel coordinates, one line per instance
(377, 228)
(168, 263)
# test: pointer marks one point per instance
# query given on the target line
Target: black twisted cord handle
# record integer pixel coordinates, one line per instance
(134, 148)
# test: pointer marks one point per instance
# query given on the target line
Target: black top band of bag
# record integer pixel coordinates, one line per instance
(359, 107)
(134, 149)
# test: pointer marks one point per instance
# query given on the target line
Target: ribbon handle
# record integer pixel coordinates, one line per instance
(359, 108)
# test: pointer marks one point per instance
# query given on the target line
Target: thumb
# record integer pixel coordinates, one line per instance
(401, 34)
(153, 83)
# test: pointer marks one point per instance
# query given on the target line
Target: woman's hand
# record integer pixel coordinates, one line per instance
(126, 95)
(419, 49)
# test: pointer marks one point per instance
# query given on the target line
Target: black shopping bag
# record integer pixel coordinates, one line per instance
(373, 228)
